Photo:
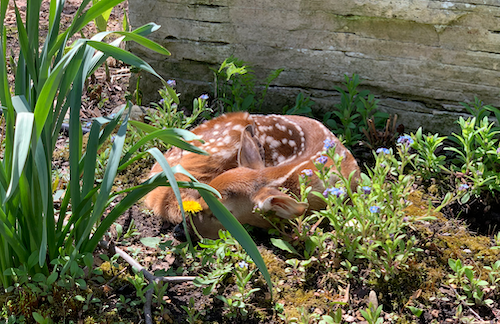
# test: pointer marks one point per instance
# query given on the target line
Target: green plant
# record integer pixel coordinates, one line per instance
(494, 273)
(372, 315)
(168, 115)
(464, 277)
(48, 84)
(236, 305)
(370, 223)
(352, 113)
(476, 157)
(479, 110)
(66, 291)
(303, 106)
(131, 231)
(124, 304)
(192, 313)
(236, 87)
(427, 164)
(306, 318)
(219, 255)
(224, 257)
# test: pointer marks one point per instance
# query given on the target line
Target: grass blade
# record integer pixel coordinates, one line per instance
(22, 140)
(123, 55)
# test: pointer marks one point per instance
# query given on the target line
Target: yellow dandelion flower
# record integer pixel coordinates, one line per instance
(191, 206)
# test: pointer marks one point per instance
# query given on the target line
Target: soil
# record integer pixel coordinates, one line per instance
(421, 286)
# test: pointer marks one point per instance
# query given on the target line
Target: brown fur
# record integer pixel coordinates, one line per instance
(260, 154)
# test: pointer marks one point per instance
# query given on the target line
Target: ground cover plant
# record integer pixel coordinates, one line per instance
(380, 254)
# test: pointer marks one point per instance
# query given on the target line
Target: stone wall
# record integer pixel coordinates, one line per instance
(420, 57)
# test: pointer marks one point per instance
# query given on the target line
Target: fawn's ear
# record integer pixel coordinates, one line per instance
(268, 199)
(250, 151)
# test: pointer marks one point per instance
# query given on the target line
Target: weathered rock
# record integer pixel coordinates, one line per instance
(137, 113)
(420, 57)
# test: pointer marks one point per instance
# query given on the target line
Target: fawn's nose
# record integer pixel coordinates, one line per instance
(179, 233)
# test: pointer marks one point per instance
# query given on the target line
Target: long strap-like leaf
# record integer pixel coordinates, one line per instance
(22, 140)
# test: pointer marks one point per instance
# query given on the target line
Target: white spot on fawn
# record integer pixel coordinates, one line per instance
(238, 128)
(274, 144)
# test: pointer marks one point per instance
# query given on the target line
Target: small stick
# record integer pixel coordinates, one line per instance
(470, 309)
(149, 276)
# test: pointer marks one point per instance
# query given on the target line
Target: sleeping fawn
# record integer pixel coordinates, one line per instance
(250, 158)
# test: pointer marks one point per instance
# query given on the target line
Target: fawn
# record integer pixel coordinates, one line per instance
(251, 157)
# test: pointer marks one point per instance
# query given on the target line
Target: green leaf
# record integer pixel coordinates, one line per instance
(416, 311)
(80, 298)
(169, 136)
(151, 242)
(88, 260)
(39, 277)
(465, 198)
(95, 11)
(52, 278)
(284, 245)
(22, 139)
(38, 318)
(102, 20)
(82, 284)
(123, 55)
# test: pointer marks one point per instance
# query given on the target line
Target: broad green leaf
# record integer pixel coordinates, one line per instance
(52, 278)
(151, 242)
(284, 245)
(38, 318)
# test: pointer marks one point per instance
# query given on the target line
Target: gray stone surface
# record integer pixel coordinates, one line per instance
(420, 57)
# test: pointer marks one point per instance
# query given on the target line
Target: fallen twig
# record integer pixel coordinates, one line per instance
(149, 276)
(463, 303)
